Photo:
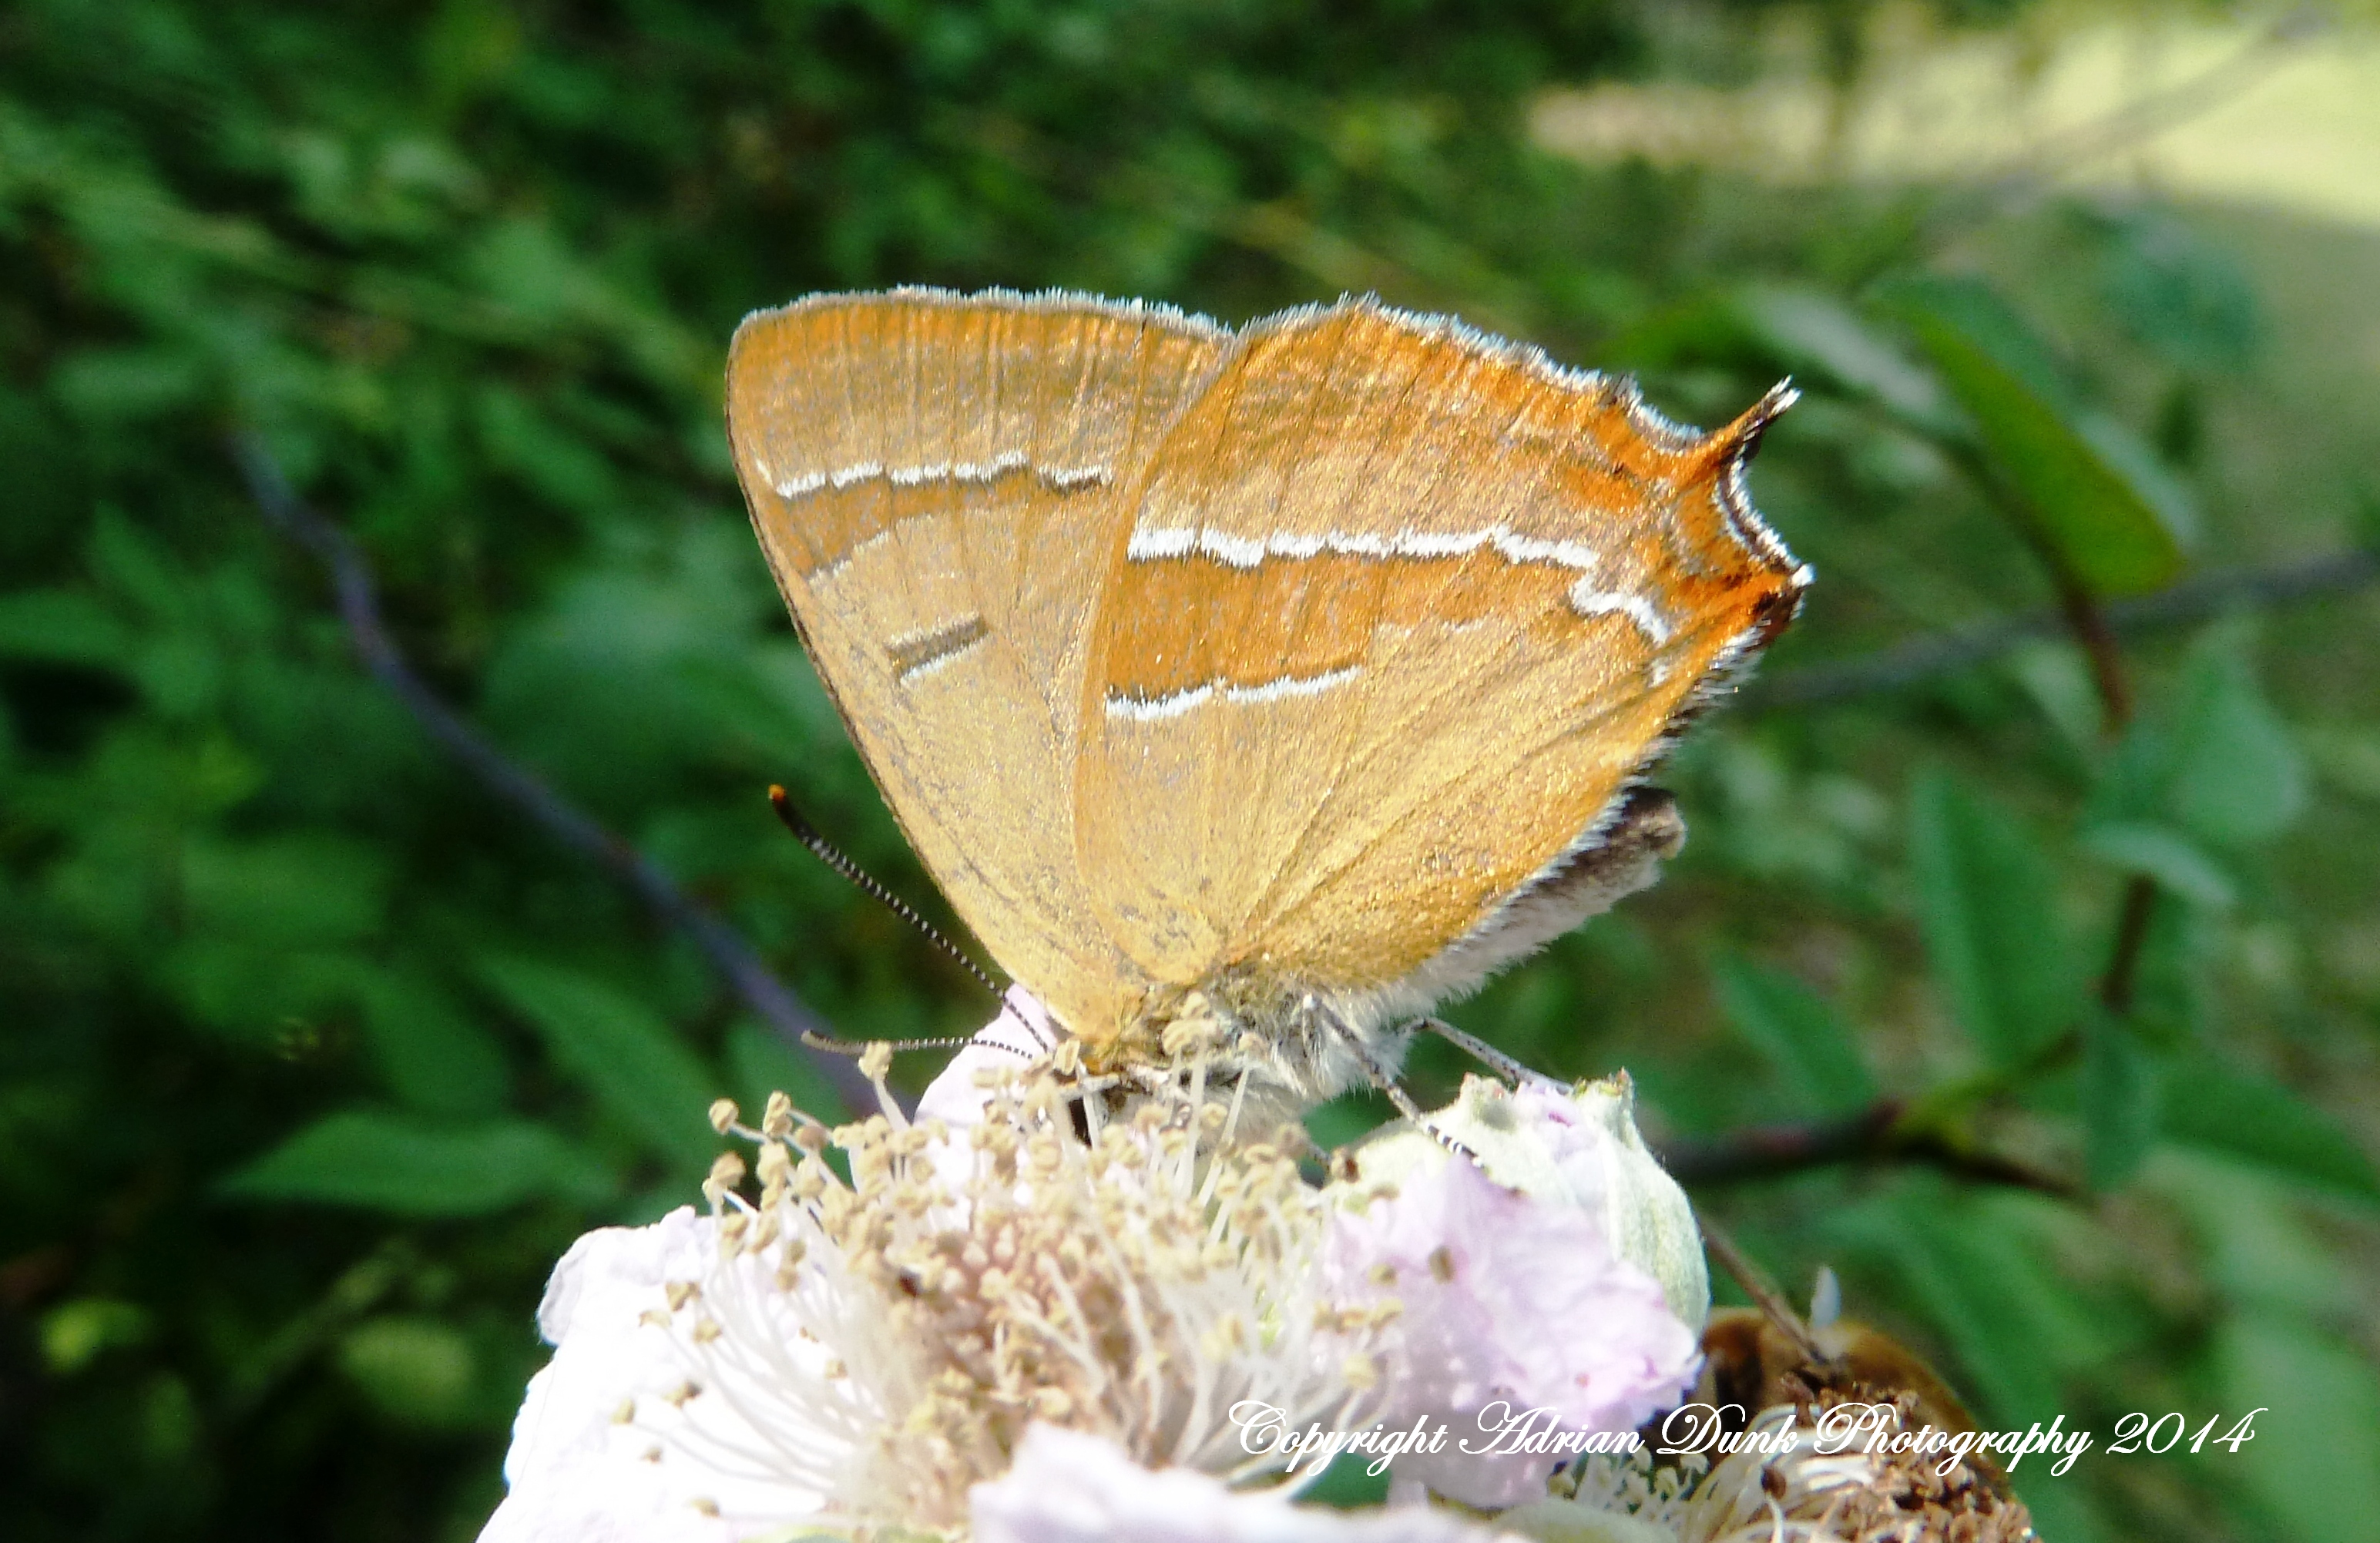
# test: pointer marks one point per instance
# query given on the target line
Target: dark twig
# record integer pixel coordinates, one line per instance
(2132, 935)
(1768, 1151)
(1885, 1130)
(358, 603)
(1878, 1134)
(1943, 653)
(2087, 620)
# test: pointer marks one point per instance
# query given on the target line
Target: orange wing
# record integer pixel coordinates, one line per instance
(938, 481)
(1402, 612)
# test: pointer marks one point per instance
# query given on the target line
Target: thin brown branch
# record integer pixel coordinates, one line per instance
(1772, 1151)
(1882, 1134)
(2088, 621)
(1941, 653)
(2132, 935)
(358, 603)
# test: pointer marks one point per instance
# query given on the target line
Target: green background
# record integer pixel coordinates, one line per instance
(316, 1054)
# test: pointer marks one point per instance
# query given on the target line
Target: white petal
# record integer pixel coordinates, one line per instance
(1069, 1487)
(1022, 1033)
(577, 1472)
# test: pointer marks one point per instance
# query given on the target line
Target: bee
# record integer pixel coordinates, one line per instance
(1751, 1363)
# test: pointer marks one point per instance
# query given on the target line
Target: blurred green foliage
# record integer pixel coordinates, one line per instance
(317, 1055)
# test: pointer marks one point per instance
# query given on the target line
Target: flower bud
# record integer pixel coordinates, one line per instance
(1580, 1148)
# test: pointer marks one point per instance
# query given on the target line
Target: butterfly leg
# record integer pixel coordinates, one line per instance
(1381, 1075)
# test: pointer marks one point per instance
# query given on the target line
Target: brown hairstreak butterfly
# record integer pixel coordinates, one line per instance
(1294, 676)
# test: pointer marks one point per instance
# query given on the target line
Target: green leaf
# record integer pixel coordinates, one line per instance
(433, 1054)
(75, 1333)
(1992, 934)
(2314, 1463)
(283, 890)
(132, 565)
(2164, 854)
(2060, 1510)
(2364, 513)
(61, 625)
(120, 388)
(2056, 676)
(1812, 332)
(259, 992)
(620, 1051)
(2214, 761)
(2227, 1109)
(1797, 1031)
(636, 667)
(2238, 777)
(1349, 1116)
(2256, 1248)
(2179, 292)
(1348, 1484)
(2119, 1096)
(2107, 511)
(1979, 1283)
(2169, 981)
(416, 1370)
(558, 465)
(2347, 756)
(381, 1161)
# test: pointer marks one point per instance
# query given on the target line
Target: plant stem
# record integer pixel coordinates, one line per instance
(2089, 623)
(359, 602)
(1882, 1133)
(2132, 935)
(1939, 653)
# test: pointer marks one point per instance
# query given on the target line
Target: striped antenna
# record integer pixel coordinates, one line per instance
(827, 853)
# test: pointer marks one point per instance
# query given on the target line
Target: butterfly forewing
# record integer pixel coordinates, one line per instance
(940, 484)
(1399, 614)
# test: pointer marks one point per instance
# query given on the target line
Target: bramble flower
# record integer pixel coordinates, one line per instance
(989, 1318)
(864, 1351)
(1575, 1146)
(1523, 1312)
(587, 1464)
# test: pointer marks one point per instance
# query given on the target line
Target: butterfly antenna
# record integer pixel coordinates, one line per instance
(857, 1047)
(826, 852)
(1510, 1069)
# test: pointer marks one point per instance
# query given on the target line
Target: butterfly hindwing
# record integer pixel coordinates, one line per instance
(1400, 614)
